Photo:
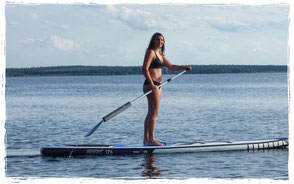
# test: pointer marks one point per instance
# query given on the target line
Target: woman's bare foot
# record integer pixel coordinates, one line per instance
(155, 143)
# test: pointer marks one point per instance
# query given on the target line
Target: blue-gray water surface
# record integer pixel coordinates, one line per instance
(61, 110)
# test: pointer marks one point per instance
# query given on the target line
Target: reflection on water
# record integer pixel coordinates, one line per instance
(150, 171)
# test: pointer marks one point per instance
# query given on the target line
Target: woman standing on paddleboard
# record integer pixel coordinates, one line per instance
(154, 60)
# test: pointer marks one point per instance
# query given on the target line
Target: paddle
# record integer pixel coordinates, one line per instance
(127, 105)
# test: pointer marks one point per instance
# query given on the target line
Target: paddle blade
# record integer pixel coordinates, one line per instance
(117, 111)
(94, 129)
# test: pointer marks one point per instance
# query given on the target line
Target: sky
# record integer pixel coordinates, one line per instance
(118, 35)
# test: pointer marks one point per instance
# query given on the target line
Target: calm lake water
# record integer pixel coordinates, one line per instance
(61, 110)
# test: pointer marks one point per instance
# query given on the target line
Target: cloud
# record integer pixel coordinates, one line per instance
(63, 44)
(133, 18)
(34, 42)
(226, 25)
(31, 41)
(138, 19)
(46, 21)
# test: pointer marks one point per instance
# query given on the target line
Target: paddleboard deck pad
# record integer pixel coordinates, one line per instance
(123, 149)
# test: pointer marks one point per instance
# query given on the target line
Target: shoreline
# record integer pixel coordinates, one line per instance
(81, 70)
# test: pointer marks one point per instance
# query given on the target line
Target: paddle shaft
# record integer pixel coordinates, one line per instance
(167, 81)
(128, 104)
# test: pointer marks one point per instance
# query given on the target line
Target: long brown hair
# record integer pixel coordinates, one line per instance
(151, 44)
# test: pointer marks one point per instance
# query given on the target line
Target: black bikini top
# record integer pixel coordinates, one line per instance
(156, 63)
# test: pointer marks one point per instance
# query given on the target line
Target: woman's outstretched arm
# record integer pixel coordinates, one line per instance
(173, 67)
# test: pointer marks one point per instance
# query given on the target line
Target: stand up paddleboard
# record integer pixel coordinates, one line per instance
(122, 149)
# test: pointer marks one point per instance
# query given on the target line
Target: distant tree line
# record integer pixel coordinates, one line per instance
(137, 70)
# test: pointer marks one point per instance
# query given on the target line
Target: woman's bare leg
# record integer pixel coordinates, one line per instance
(150, 120)
(146, 130)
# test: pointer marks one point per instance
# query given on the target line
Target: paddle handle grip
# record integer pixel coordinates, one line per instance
(117, 111)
